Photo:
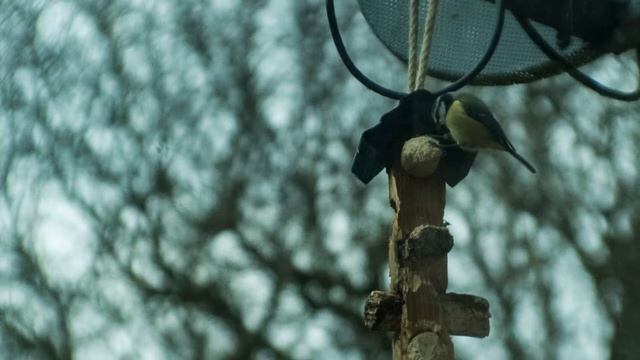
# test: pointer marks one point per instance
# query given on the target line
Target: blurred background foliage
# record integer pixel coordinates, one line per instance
(174, 184)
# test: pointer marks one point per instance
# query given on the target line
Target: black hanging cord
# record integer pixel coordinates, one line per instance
(337, 40)
(567, 66)
(495, 39)
(342, 51)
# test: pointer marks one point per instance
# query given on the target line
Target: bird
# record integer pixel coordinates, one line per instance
(471, 125)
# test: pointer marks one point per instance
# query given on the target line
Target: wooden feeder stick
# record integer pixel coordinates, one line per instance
(418, 310)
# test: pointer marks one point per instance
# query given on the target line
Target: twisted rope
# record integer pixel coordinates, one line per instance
(414, 13)
(426, 43)
(418, 65)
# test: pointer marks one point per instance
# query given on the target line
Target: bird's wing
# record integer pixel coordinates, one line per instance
(473, 105)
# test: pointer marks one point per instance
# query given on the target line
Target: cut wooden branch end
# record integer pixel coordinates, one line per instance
(423, 243)
(382, 311)
(420, 156)
(466, 315)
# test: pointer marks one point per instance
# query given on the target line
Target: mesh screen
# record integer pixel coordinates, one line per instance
(463, 31)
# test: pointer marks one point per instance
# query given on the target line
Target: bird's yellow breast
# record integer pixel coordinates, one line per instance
(466, 131)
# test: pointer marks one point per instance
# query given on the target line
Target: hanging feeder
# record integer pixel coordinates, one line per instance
(483, 42)
(565, 34)
(472, 42)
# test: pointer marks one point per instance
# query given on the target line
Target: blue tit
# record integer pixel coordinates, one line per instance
(472, 126)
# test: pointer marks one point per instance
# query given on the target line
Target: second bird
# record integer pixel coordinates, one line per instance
(472, 125)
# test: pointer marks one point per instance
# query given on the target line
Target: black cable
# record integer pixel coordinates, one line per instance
(497, 33)
(337, 40)
(567, 66)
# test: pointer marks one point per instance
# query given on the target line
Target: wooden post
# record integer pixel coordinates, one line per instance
(418, 310)
(423, 333)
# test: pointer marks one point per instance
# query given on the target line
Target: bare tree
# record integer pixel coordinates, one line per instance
(200, 152)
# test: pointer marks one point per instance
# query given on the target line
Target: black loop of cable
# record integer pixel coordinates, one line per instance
(373, 86)
(568, 67)
(353, 69)
(495, 39)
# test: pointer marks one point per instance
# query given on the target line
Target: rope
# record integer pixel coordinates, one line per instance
(426, 43)
(397, 95)
(414, 13)
(417, 78)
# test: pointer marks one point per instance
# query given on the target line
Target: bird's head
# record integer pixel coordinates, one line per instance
(440, 108)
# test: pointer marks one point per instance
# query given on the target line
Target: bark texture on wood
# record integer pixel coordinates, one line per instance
(417, 202)
(423, 244)
(382, 311)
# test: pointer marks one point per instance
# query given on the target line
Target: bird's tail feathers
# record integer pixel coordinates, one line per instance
(522, 160)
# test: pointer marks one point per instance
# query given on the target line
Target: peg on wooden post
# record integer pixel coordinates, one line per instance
(466, 315)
